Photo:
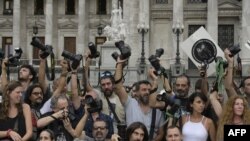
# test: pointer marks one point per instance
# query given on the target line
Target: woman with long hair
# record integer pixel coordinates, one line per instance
(234, 112)
(15, 117)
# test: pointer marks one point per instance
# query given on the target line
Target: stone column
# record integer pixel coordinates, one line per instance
(81, 41)
(49, 22)
(245, 31)
(212, 19)
(16, 23)
(177, 19)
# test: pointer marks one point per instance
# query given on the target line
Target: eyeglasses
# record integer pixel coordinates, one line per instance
(101, 128)
(37, 93)
(106, 74)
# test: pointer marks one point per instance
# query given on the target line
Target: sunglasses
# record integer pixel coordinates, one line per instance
(107, 74)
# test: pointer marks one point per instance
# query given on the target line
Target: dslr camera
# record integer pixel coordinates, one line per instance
(203, 69)
(235, 49)
(95, 106)
(122, 131)
(75, 58)
(155, 62)
(46, 50)
(93, 50)
(125, 50)
(169, 99)
(115, 55)
(14, 59)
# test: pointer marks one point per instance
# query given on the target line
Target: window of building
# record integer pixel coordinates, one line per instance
(225, 36)
(197, 1)
(70, 44)
(8, 7)
(39, 7)
(101, 7)
(161, 1)
(70, 7)
(191, 30)
(6, 45)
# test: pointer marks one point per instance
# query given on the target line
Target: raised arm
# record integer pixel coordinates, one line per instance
(74, 89)
(215, 103)
(41, 74)
(4, 79)
(228, 82)
(154, 82)
(85, 80)
(119, 89)
(62, 80)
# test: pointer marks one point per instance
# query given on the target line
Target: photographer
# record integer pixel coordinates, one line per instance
(107, 89)
(65, 125)
(26, 76)
(139, 109)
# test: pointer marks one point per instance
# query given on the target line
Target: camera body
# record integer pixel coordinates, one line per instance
(122, 131)
(95, 106)
(93, 50)
(46, 50)
(203, 69)
(75, 58)
(125, 50)
(235, 49)
(169, 99)
(14, 59)
(155, 62)
(115, 55)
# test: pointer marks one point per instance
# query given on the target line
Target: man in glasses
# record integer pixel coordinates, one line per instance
(100, 130)
(107, 89)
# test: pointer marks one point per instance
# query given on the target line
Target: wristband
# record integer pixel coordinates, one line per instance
(53, 117)
(8, 132)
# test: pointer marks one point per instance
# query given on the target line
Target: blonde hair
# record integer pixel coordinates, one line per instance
(228, 114)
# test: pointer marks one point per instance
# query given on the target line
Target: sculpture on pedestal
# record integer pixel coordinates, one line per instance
(118, 29)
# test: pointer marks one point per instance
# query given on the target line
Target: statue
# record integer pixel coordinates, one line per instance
(118, 29)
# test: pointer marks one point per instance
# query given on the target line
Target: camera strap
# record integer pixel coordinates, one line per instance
(151, 132)
(50, 70)
(112, 110)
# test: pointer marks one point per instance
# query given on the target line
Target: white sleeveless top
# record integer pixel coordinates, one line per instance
(194, 131)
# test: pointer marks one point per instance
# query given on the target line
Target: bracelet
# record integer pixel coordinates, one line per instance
(8, 132)
(53, 117)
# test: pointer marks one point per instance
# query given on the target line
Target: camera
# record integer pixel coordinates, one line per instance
(169, 99)
(70, 114)
(95, 106)
(115, 55)
(46, 50)
(122, 131)
(234, 50)
(125, 50)
(159, 52)
(14, 59)
(155, 62)
(93, 50)
(75, 58)
(203, 69)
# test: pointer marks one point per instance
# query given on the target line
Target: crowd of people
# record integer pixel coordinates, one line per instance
(31, 111)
